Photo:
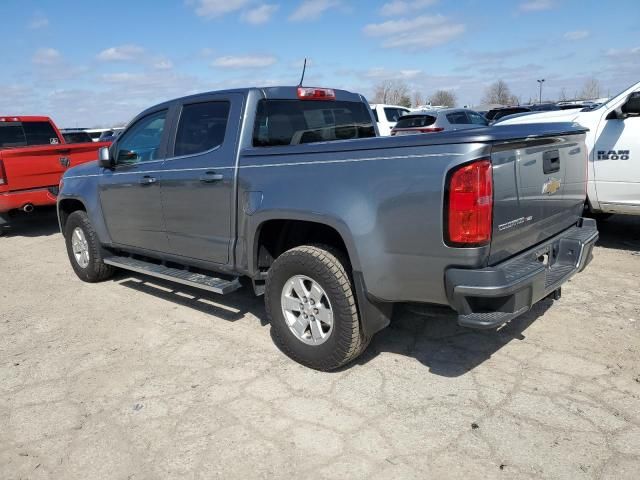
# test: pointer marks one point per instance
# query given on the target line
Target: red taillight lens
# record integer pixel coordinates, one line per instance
(470, 205)
(3, 174)
(312, 93)
(431, 129)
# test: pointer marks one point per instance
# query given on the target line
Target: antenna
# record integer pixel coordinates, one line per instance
(304, 69)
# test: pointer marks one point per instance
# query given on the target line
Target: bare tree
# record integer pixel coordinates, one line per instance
(590, 90)
(443, 97)
(418, 99)
(499, 92)
(393, 92)
(563, 95)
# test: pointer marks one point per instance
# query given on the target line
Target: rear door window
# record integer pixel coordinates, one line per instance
(457, 118)
(393, 114)
(202, 127)
(292, 122)
(415, 121)
(40, 133)
(12, 135)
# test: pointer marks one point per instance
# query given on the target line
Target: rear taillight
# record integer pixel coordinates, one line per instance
(469, 207)
(3, 174)
(312, 93)
(430, 129)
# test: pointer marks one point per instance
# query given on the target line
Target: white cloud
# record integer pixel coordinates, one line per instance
(260, 14)
(163, 64)
(536, 5)
(402, 7)
(624, 52)
(577, 35)
(312, 9)
(218, 8)
(122, 53)
(424, 31)
(38, 21)
(47, 56)
(246, 61)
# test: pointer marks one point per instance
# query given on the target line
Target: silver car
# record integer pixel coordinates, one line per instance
(430, 121)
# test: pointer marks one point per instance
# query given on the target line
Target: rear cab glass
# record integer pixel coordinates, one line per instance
(23, 134)
(415, 121)
(293, 122)
(393, 114)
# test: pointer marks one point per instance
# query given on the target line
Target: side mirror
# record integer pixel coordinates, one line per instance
(104, 158)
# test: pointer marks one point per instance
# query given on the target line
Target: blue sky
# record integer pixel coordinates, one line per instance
(96, 63)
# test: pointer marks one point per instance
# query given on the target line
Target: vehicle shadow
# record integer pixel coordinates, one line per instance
(42, 222)
(431, 335)
(435, 339)
(621, 232)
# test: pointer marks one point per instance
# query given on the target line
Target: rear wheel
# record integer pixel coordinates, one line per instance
(312, 309)
(84, 250)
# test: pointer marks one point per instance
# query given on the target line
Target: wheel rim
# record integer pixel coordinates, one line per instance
(307, 310)
(80, 247)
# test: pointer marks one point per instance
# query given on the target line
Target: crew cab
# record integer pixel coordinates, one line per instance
(290, 188)
(613, 145)
(33, 157)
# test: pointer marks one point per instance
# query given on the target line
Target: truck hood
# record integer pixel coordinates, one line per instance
(551, 116)
(89, 168)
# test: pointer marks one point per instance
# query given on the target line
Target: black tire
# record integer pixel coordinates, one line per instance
(96, 270)
(326, 266)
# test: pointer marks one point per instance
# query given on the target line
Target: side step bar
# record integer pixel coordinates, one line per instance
(197, 280)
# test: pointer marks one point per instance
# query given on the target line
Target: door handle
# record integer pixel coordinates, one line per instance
(147, 180)
(211, 177)
(551, 161)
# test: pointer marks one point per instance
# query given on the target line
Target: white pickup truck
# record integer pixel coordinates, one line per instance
(387, 116)
(613, 143)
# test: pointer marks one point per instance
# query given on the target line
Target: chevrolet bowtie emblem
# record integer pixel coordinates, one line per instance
(551, 186)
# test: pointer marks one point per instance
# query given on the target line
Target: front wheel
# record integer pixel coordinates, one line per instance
(84, 250)
(312, 309)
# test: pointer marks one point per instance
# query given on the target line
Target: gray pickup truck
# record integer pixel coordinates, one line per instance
(291, 189)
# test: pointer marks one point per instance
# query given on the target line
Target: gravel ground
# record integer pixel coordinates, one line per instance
(138, 379)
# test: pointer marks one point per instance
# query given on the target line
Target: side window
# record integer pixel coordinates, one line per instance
(393, 114)
(477, 119)
(457, 118)
(40, 133)
(142, 141)
(201, 128)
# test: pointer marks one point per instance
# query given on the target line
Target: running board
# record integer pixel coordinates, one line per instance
(197, 280)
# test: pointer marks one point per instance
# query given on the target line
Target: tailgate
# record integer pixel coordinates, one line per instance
(38, 167)
(539, 190)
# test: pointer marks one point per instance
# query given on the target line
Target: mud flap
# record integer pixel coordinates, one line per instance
(374, 316)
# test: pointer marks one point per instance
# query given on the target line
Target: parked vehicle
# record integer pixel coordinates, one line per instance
(288, 187)
(33, 157)
(497, 113)
(76, 136)
(431, 121)
(613, 144)
(110, 135)
(386, 116)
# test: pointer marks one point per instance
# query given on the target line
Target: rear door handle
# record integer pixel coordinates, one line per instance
(211, 177)
(551, 161)
(147, 180)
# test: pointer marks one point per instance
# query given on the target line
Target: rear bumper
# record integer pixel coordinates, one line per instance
(492, 296)
(38, 197)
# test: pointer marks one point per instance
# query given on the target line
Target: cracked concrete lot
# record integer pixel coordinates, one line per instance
(135, 379)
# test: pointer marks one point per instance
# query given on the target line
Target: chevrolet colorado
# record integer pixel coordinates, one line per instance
(290, 188)
(33, 157)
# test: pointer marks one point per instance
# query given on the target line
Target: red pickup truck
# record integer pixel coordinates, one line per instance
(33, 157)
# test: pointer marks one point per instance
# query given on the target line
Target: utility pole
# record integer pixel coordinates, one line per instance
(540, 82)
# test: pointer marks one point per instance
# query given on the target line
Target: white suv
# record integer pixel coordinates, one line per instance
(387, 116)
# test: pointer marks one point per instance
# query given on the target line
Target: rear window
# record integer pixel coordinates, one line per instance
(40, 133)
(12, 135)
(292, 122)
(415, 121)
